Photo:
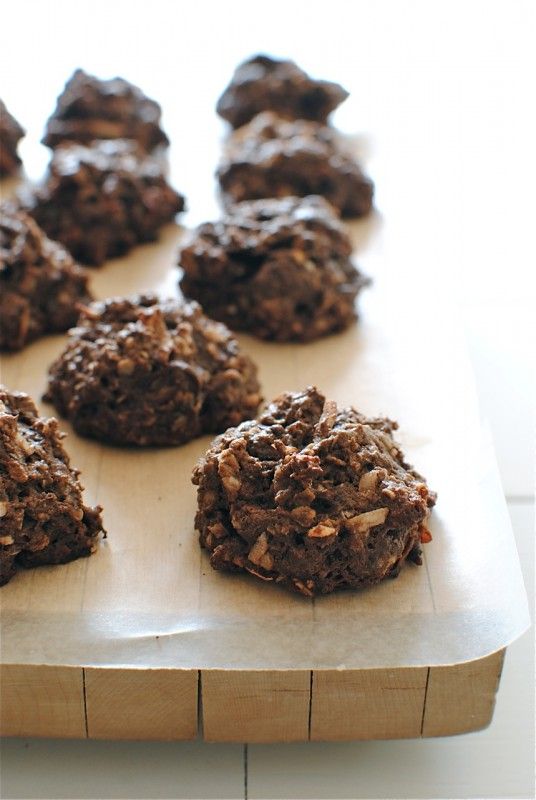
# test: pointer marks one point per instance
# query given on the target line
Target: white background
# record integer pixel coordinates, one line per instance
(443, 96)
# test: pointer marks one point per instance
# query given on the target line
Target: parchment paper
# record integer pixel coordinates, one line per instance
(149, 598)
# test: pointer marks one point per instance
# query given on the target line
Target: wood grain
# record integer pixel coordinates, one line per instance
(462, 698)
(248, 706)
(367, 704)
(42, 701)
(141, 704)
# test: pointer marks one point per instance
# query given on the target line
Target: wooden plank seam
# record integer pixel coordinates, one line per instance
(199, 705)
(311, 678)
(85, 700)
(424, 700)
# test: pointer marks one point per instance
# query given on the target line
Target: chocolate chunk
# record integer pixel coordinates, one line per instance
(103, 199)
(43, 519)
(266, 84)
(139, 371)
(272, 157)
(311, 497)
(89, 109)
(280, 269)
(10, 133)
(41, 287)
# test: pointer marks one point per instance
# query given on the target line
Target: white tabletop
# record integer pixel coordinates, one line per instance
(454, 82)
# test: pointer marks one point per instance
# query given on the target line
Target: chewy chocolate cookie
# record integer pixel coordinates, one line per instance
(267, 84)
(273, 157)
(90, 108)
(311, 497)
(10, 134)
(102, 199)
(280, 269)
(43, 519)
(139, 371)
(41, 287)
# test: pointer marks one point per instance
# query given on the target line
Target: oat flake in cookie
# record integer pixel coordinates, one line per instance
(311, 497)
(273, 157)
(280, 269)
(267, 84)
(41, 287)
(43, 519)
(139, 371)
(10, 134)
(89, 109)
(102, 199)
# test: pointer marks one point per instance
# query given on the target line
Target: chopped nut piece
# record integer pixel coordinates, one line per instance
(6, 540)
(125, 366)
(27, 447)
(425, 535)
(303, 514)
(369, 519)
(39, 542)
(368, 481)
(259, 575)
(217, 530)
(228, 468)
(327, 420)
(3, 508)
(303, 589)
(266, 561)
(321, 531)
(259, 549)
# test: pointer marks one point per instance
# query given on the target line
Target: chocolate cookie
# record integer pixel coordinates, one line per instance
(267, 84)
(139, 371)
(311, 497)
(41, 287)
(10, 133)
(272, 157)
(43, 519)
(280, 269)
(89, 109)
(101, 200)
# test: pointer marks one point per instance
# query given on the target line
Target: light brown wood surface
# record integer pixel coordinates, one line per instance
(248, 706)
(42, 701)
(368, 704)
(462, 699)
(141, 704)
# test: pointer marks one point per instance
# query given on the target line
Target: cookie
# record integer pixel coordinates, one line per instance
(90, 109)
(267, 84)
(280, 269)
(41, 287)
(10, 134)
(102, 199)
(43, 519)
(311, 497)
(138, 371)
(274, 157)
